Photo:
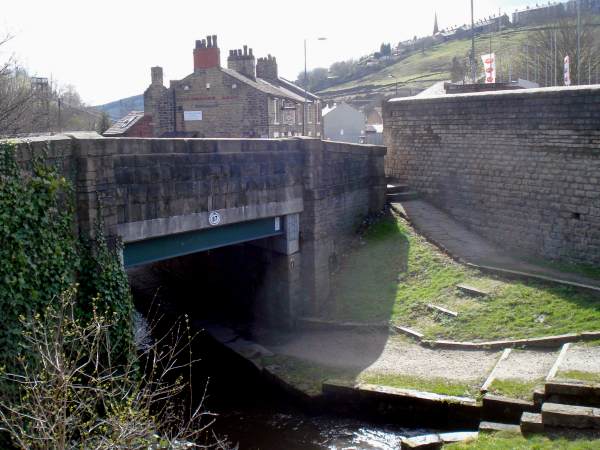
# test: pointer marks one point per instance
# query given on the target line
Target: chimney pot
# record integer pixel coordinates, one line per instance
(209, 40)
(245, 50)
(251, 52)
(215, 40)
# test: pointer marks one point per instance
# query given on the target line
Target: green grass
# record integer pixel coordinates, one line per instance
(585, 270)
(580, 376)
(435, 385)
(396, 273)
(515, 388)
(435, 64)
(504, 440)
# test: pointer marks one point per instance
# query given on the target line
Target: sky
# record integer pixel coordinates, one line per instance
(106, 48)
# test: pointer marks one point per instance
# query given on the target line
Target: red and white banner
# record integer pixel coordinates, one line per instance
(489, 66)
(567, 71)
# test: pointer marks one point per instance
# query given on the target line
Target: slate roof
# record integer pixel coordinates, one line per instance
(122, 125)
(264, 86)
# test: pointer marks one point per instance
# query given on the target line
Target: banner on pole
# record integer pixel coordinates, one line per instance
(489, 66)
(567, 71)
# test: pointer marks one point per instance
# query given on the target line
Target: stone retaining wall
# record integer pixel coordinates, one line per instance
(522, 168)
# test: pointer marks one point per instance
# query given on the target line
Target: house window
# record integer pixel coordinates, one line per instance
(310, 113)
(318, 112)
(275, 134)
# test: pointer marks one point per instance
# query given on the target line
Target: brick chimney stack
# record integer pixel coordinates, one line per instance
(266, 68)
(156, 74)
(207, 54)
(242, 61)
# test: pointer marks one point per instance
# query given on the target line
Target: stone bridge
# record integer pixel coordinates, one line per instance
(299, 200)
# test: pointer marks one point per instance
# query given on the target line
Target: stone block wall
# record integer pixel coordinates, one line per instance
(343, 184)
(522, 168)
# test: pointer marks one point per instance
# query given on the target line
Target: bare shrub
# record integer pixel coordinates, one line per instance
(72, 397)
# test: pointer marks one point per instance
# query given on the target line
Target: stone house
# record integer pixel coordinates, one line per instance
(246, 99)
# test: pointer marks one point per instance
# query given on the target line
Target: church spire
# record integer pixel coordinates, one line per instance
(435, 25)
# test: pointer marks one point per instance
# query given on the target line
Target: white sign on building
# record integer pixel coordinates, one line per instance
(189, 116)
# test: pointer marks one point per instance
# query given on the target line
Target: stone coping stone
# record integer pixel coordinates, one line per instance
(493, 427)
(344, 387)
(436, 441)
(570, 416)
(505, 409)
(534, 276)
(408, 332)
(532, 423)
(539, 342)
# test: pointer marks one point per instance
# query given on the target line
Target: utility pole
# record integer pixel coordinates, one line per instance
(578, 41)
(473, 68)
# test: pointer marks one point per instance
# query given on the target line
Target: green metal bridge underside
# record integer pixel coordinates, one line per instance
(166, 247)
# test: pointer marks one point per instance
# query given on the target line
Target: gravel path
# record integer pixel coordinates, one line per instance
(380, 353)
(526, 365)
(582, 358)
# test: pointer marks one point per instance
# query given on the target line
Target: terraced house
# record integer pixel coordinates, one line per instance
(246, 99)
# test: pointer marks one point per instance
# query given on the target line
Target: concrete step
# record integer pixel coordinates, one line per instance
(570, 416)
(395, 188)
(492, 427)
(402, 196)
(531, 423)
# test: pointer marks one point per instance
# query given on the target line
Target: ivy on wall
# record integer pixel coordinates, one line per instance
(40, 257)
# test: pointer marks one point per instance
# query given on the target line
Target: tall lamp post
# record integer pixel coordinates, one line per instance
(396, 82)
(304, 112)
(473, 68)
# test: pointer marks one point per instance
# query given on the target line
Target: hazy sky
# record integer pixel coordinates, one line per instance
(106, 48)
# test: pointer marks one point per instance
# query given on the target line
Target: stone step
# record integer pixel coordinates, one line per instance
(504, 409)
(493, 427)
(472, 290)
(395, 188)
(437, 441)
(572, 392)
(531, 423)
(440, 309)
(402, 196)
(570, 416)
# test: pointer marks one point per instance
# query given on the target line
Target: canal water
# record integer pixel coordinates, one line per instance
(250, 411)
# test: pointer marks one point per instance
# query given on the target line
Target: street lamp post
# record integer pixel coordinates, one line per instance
(396, 81)
(473, 68)
(305, 112)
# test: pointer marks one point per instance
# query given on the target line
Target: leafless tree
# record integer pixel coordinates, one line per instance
(74, 398)
(542, 56)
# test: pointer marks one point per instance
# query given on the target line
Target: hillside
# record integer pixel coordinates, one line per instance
(120, 108)
(422, 69)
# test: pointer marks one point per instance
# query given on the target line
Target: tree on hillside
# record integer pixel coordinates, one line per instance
(17, 96)
(385, 49)
(458, 70)
(103, 123)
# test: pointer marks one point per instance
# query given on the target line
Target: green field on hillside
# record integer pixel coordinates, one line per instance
(424, 69)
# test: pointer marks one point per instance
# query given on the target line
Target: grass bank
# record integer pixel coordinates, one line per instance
(395, 273)
(503, 441)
